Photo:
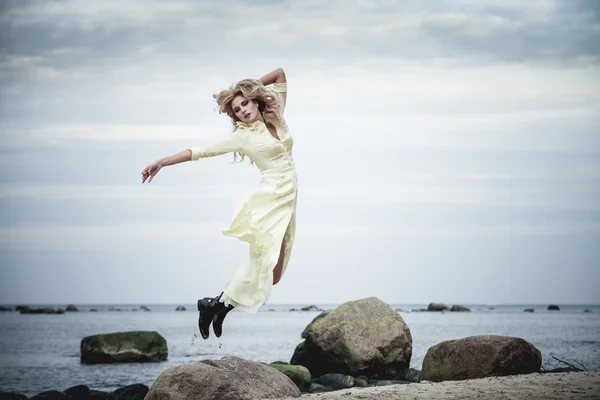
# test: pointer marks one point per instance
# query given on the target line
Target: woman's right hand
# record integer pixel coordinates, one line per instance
(150, 171)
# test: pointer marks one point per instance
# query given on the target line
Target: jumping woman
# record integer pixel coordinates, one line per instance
(266, 217)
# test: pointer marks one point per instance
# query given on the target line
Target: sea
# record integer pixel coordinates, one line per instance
(42, 352)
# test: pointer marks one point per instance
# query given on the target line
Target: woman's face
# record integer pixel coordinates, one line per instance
(245, 110)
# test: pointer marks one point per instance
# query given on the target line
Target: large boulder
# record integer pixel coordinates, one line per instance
(363, 337)
(478, 357)
(122, 347)
(230, 378)
(318, 317)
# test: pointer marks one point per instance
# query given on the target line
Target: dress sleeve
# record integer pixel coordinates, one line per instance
(234, 143)
(281, 89)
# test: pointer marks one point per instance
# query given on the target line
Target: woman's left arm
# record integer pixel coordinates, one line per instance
(276, 76)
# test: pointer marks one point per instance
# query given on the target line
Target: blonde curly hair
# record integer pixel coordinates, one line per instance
(269, 104)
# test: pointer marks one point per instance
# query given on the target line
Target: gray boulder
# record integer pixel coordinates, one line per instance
(363, 337)
(123, 347)
(318, 317)
(230, 378)
(479, 357)
(553, 307)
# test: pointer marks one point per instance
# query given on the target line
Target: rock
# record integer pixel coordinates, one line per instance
(93, 310)
(587, 310)
(293, 309)
(78, 392)
(460, 308)
(411, 375)
(553, 307)
(297, 373)
(437, 307)
(479, 357)
(100, 395)
(12, 396)
(3, 308)
(121, 347)
(180, 308)
(318, 317)
(491, 308)
(363, 337)
(144, 308)
(528, 310)
(318, 388)
(335, 381)
(132, 390)
(71, 307)
(311, 308)
(359, 382)
(40, 310)
(50, 395)
(230, 378)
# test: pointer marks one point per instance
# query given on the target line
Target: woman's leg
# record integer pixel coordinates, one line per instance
(279, 267)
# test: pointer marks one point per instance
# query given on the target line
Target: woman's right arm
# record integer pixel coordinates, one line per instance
(234, 143)
(151, 170)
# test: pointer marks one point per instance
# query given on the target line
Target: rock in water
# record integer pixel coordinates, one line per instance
(363, 337)
(479, 357)
(297, 373)
(230, 378)
(122, 347)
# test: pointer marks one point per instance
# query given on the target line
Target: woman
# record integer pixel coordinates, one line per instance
(265, 218)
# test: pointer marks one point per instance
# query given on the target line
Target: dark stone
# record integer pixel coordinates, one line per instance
(99, 395)
(50, 395)
(121, 347)
(3, 308)
(311, 308)
(132, 390)
(144, 308)
(71, 307)
(335, 381)
(79, 392)
(456, 307)
(437, 307)
(40, 310)
(411, 375)
(180, 308)
(12, 396)
(587, 310)
(529, 310)
(553, 307)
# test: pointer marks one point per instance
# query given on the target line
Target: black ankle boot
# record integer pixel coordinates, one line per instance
(217, 321)
(208, 308)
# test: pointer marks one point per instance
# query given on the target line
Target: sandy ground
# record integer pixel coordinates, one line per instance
(568, 385)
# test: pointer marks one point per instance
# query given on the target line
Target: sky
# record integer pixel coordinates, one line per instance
(446, 150)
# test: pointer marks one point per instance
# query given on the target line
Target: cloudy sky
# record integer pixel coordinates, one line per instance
(447, 150)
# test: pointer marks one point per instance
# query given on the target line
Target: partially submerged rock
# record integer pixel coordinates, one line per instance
(123, 347)
(480, 357)
(231, 378)
(437, 307)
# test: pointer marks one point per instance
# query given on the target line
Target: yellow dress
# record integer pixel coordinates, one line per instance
(265, 216)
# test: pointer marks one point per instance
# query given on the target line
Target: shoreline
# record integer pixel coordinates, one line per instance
(536, 386)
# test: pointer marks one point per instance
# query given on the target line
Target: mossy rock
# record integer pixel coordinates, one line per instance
(299, 374)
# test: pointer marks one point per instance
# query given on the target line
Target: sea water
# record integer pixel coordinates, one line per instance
(41, 352)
